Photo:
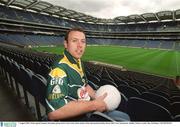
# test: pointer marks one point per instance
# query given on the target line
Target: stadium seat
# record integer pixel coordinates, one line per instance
(25, 79)
(123, 104)
(175, 93)
(94, 79)
(128, 91)
(166, 95)
(105, 75)
(44, 70)
(143, 110)
(177, 118)
(174, 99)
(15, 72)
(121, 82)
(37, 66)
(141, 89)
(175, 108)
(94, 86)
(158, 99)
(107, 81)
(39, 92)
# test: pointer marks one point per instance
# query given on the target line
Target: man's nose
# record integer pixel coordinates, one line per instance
(79, 45)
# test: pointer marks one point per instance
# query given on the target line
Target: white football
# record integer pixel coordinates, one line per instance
(113, 97)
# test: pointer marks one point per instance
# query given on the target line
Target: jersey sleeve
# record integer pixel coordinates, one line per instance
(57, 89)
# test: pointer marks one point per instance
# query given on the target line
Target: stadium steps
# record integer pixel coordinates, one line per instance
(12, 108)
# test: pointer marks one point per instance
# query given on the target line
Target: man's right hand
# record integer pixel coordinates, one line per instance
(100, 104)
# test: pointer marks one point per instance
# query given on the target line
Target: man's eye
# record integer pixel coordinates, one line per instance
(74, 40)
(83, 41)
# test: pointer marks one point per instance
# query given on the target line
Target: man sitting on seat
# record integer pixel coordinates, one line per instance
(69, 97)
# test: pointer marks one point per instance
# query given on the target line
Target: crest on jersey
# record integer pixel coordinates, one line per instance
(56, 89)
(56, 93)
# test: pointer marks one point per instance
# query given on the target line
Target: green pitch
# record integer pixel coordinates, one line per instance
(154, 61)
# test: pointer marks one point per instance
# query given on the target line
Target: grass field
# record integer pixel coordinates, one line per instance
(159, 62)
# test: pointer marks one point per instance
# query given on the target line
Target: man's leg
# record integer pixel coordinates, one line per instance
(118, 115)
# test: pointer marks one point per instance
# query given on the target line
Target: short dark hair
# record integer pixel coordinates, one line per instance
(73, 29)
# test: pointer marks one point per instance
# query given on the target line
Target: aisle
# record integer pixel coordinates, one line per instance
(11, 108)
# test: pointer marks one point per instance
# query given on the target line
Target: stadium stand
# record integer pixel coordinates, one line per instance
(149, 30)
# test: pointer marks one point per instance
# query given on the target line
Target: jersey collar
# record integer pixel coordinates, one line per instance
(71, 58)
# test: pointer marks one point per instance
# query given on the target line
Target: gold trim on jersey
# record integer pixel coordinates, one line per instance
(53, 96)
(73, 66)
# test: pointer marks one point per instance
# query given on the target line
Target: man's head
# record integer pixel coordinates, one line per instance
(75, 42)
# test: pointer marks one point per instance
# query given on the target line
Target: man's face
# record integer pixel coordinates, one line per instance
(76, 44)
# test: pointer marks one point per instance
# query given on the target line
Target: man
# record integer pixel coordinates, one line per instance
(68, 94)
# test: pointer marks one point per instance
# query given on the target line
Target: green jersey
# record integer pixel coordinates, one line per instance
(66, 82)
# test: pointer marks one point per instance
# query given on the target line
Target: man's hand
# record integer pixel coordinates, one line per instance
(90, 91)
(100, 104)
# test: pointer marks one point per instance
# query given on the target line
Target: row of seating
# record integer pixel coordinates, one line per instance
(158, 44)
(33, 39)
(143, 91)
(25, 83)
(30, 39)
(39, 63)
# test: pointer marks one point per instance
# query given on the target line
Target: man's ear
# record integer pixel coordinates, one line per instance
(65, 44)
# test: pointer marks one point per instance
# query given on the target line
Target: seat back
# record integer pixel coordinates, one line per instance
(143, 110)
(107, 81)
(129, 91)
(156, 99)
(175, 108)
(123, 104)
(39, 88)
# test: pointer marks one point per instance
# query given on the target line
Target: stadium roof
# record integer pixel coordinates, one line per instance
(53, 10)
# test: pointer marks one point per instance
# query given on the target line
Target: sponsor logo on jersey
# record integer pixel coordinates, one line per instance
(83, 94)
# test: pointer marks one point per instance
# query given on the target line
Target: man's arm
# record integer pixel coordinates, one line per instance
(76, 108)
